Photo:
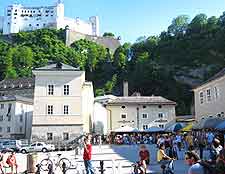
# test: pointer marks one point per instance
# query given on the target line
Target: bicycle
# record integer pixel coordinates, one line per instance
(168, 168)
(47, 164)
(136, 168)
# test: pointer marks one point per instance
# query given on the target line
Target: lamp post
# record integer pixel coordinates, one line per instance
(138, 118)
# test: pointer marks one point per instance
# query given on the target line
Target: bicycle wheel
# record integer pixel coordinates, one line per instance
(66, 161)
(45, 163)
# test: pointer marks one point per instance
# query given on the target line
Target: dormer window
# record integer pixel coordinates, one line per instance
(123, 107)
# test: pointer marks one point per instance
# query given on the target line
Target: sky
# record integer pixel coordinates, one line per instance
(131, 19)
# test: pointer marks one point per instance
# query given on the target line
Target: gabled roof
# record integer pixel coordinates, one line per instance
(218, 75)
(57, 67)
(23, 82)
(141, 100)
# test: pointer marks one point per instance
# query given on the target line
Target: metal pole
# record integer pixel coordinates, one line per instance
(50, 169)
(102, 167)
(138, 118)
(64, 168)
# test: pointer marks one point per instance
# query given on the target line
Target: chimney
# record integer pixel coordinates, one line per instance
(125, 88)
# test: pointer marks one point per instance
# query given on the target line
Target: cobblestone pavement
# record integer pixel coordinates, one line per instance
(119, 156)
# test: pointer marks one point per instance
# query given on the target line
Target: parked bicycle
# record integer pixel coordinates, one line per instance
(47, 164)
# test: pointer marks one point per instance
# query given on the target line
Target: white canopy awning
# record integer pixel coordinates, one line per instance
(126, 129)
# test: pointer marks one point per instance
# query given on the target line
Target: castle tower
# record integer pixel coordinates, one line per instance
(59, 14)
(95, 25)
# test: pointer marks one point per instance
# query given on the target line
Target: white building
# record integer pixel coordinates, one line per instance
(21, 18)
(15, 117)
(140, 112)
(63, 103)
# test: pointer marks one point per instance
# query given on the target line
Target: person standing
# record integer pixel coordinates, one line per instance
(87, 156)
(1, 163)
(192, 159)
(144, 157)
(11, 161)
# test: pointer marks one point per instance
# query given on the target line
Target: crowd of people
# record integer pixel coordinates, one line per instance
(171, 144)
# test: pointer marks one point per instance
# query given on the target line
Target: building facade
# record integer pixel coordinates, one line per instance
(21, 18)
(63, 103)
(209, 97)
(15, 117)
(140, 112)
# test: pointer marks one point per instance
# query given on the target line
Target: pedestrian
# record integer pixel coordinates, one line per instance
(1, 163)
(220, 162)
(11, 161)
(87, 156)
(192, 159)
(144, 157)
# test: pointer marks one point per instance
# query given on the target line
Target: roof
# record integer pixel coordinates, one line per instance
(220, 74)
(16, 98)
(24, 82)
(141, 100)
(57, 67)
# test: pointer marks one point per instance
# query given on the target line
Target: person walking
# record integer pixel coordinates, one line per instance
(11, 161)
(144, 157)
(192, 159)
(87, 156)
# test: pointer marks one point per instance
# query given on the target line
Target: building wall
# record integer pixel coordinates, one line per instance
(213, 105)
(75, 80)
(87, 106)
(100, 119)
(19, 18)
(39, 133)
(20, 123)
(132, 113)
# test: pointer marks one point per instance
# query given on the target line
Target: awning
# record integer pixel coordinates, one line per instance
(175, 127)
(187, 128)
(154, 129)
(126, 129)
(221, 126)
(207, 123)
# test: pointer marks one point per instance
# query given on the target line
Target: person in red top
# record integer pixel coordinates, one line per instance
(144, 157)
(87, 156)
(11, 161)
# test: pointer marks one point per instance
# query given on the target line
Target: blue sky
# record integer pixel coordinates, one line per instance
(131, 19)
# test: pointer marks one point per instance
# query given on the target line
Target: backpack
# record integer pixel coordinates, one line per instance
(208, 167)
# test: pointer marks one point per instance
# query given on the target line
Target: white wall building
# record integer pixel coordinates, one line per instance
(15, 117)
(140, 112)
(21, 18)
(63, 103)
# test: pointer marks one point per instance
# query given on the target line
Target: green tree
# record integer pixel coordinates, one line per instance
(108, 34)
(179, 25)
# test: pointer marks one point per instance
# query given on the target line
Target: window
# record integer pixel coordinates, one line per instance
(44, 24)
(1, 117)
(2, 106)
(21, 129)
(50, 89)
(66, 109)
(46, 15)
(145, 126)
(161, 126)
(14, 17)
(65, 136)
(144, 115)
(8, 129)
(0, 129)
(49, 136)
(201, 96)
(21, 118)
(160, 106)
(216, 94)
(160, 115)
(15, 10)
(144, 106)
(15, 13)
(208, 93)
(123, 116)
(30, 25)
(66, 89)
(123, 107)
(50, 109)
(37, 24)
